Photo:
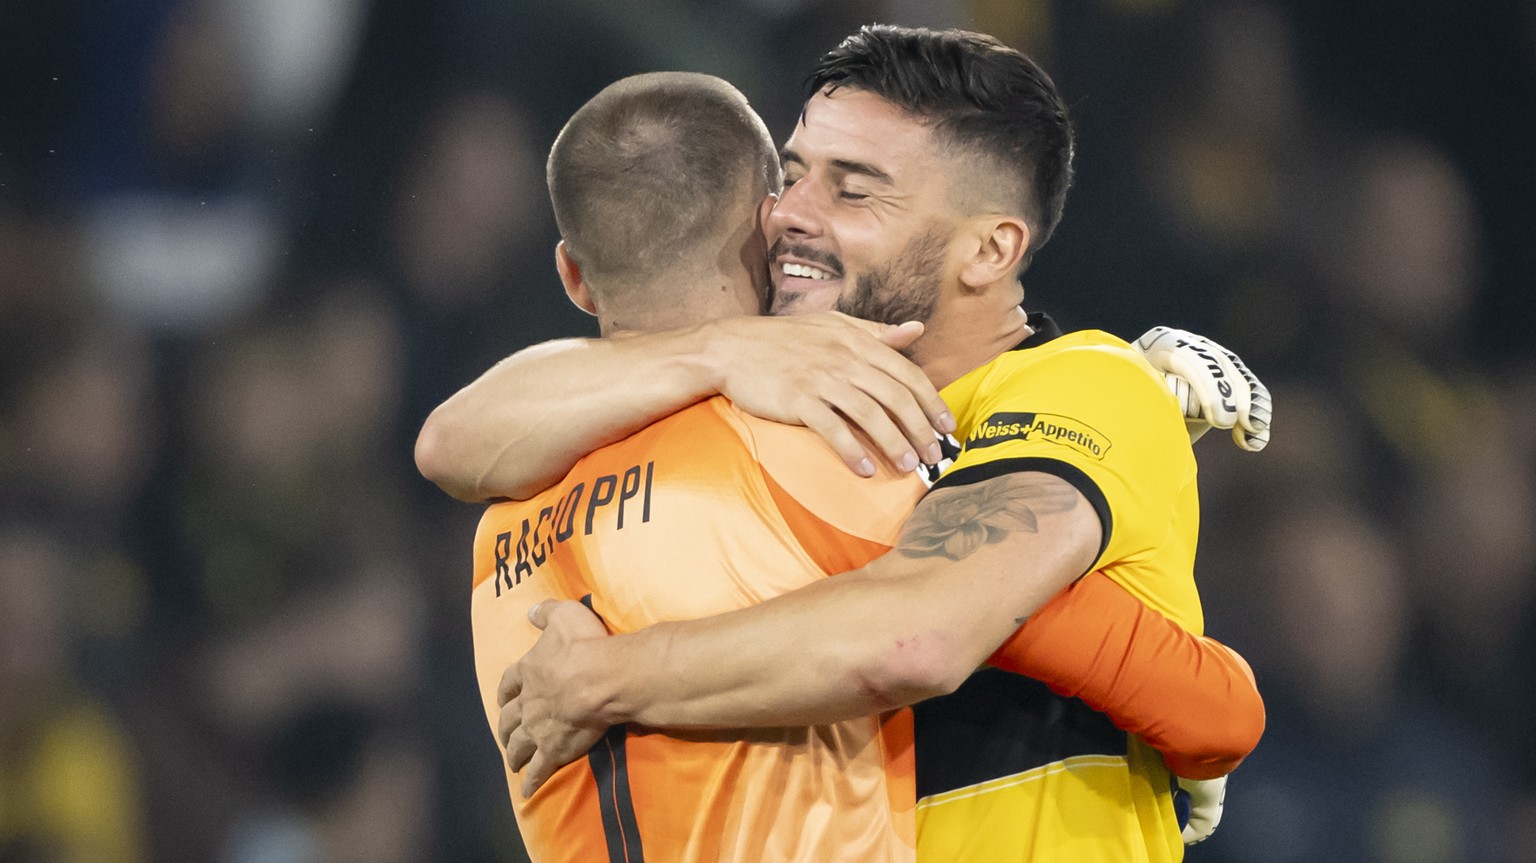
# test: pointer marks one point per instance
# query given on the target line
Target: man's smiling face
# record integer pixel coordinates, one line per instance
(864, 221)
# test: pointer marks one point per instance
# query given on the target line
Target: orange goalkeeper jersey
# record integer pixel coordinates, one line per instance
(705, 512)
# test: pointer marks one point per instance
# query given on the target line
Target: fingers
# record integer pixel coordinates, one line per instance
(1256, 419)
(897, 336)
(511, 684)
(1250, 441)
(823, 420)
(1252, 429)
(1189, 379)
(1189, 403)
(834, 374)
(883, 429)
(934, 413)
(895, 405)
(509, 721)
(568, 619)
(915, 429)
(911, 378)
(538, 615)
(1207, 800)
(1213, 381)
(1229, 397)
(520, 750)
(563, 619)
(900, 336)
(540, 768)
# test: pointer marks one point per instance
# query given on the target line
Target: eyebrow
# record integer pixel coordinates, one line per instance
(847, 166)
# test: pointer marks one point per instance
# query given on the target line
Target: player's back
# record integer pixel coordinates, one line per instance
(705, 512)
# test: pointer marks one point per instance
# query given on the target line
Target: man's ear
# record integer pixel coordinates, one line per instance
(1001, 243)
(570, 276)
(763, 209)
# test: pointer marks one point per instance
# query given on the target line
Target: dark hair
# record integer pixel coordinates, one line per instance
(979, 95)
(651, 164)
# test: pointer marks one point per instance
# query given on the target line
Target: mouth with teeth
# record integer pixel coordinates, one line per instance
(806, 271)
(802, 270)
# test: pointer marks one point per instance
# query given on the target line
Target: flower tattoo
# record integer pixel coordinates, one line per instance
(955, 522)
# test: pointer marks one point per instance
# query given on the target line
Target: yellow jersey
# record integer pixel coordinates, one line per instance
(1007, 770)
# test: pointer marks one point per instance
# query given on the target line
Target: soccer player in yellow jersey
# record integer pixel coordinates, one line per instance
(1074, 459)
(710, 510)
(642, 528)
(1026, 717)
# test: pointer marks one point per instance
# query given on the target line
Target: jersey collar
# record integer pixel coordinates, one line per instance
(1044, 328)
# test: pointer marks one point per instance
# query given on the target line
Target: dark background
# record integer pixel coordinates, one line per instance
(246, 245)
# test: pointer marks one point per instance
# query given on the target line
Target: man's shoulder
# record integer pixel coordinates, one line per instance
(713, 425)
(801, 467)
(784, 449)
(1078, 346)
(706, 427)
(1091, 359)
(1086, 385)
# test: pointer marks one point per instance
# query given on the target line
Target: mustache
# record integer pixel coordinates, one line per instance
(826, 260)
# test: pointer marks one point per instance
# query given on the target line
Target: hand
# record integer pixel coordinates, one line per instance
(543, 724)
(1205, 799)
(832, 373)
(1213, 386)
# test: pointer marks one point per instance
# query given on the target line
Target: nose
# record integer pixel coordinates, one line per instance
(798, 212)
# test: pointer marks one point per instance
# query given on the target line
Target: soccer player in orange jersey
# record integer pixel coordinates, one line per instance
(704, 511)
(1043, 483)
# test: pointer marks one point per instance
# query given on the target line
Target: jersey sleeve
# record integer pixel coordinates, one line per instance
(1189, 697)
(1098, 417)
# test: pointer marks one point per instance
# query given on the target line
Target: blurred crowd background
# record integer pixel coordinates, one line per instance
(246, 245)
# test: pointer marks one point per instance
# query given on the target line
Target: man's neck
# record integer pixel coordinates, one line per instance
(969, 332)
(681, 301)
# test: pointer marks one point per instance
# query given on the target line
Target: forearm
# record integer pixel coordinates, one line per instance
(1189, 697)
(523, 424)
(911, 625)
(845, 647)
(821, 654)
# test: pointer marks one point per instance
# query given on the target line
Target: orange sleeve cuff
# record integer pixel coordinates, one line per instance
(1189, 697)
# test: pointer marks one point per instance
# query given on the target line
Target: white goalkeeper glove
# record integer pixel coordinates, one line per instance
(1213, 386)
(1205, 798)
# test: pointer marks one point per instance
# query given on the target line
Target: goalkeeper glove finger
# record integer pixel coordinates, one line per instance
(1252, 429)
(1205, 799)
(1212, 385)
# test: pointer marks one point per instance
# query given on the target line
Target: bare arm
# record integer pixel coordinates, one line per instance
(1191, 698)
(520, 426)
(972, 563)
(523, 424)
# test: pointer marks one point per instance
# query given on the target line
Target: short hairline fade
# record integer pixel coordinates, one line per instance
(652, 163)
(980, 97)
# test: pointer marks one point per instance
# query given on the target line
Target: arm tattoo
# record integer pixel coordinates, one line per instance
(954, 522)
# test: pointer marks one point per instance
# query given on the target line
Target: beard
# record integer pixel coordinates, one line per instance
(905, 289)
